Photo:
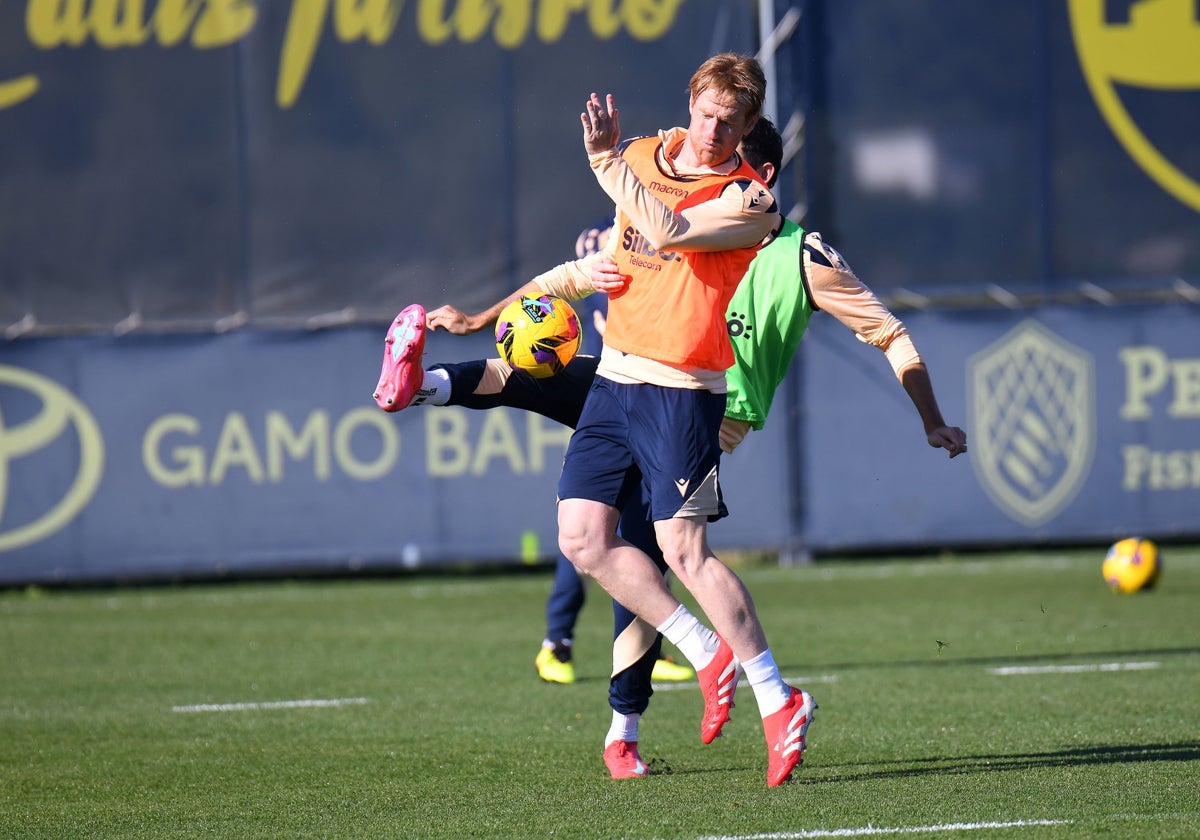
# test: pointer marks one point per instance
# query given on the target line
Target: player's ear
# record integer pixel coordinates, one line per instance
(767, 172)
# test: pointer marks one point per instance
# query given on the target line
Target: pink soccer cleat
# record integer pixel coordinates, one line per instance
(402, 373)
(718, 681)
(785, 731)
(623, 761)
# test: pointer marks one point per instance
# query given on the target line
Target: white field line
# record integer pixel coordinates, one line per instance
(871, 830)
(1073, 669)
(277, 704)
(1006, 671)
(677, 686)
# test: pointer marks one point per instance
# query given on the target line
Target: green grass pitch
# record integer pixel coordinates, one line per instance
(1002, 695)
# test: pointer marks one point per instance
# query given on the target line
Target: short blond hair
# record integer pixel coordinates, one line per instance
(739, 77)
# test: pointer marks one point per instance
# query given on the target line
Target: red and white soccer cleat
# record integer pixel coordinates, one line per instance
(623, 761)
(785, 731)
(718, 681)
(402, 373)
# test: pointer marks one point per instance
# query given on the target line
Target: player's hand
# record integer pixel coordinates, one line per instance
(601, 125)
(605, 277)
(950, 438)
(450, 319)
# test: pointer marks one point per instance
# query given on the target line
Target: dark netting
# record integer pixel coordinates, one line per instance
(956, 155)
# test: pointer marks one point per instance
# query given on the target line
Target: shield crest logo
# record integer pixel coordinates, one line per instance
(1032, 421)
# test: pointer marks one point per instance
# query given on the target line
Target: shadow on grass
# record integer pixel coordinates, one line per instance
(1082, 757)
(817, 773)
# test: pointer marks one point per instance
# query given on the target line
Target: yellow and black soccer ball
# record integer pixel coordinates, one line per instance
(1132, 565)
(538, 335)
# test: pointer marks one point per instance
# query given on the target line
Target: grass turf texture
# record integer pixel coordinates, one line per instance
(458, 738)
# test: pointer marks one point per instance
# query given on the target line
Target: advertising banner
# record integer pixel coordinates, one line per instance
(174, 457)
(217, 163)
(1083, 425)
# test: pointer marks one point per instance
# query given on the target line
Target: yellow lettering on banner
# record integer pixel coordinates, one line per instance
(1146, 469)
(1186, 373)
(16, 91)
(313, 438)
(224, 22)
(118, 23)
(510, 20)
(446, 442)
(173, 20)
(1148, 370)
(184, 465)
(1145, 375)
(497, 439)
(554, 15)
(235, 448)
(388, 451)
(299, 44)
(432, 23)
(53, 23)
(112, 24)
(124, 23)
(374, 20)
(544, 434)
(187, 462)
(452, 452)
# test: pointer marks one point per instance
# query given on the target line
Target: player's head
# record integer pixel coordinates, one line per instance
(736, 78)
(763, 150)
(725, 97)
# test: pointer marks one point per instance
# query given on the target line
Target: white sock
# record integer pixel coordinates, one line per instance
(770, 690)
(435, 388)
(624, 728)
(694, 640)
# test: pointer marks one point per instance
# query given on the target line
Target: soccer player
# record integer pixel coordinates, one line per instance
(786, 711)
(691, 216)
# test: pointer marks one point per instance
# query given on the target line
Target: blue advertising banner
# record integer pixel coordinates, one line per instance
(173, 457)
(263, 453)
(209, 210)
(195, 164)
(178, 456)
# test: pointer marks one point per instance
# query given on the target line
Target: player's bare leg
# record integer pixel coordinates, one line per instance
(786, 711)
(587, 536)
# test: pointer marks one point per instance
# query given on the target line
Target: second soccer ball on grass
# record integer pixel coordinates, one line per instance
(1132, 565)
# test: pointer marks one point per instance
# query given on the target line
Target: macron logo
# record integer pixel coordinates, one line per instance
(682, 484)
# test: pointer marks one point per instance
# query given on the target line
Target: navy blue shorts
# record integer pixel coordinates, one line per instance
(664, 439)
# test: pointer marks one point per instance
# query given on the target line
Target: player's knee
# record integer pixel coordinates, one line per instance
(574, 545)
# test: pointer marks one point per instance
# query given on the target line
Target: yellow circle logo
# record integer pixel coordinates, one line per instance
(1158, 49)
(60, 412)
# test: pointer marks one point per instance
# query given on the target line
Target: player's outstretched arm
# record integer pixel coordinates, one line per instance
(454, 320)
(916, 382)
